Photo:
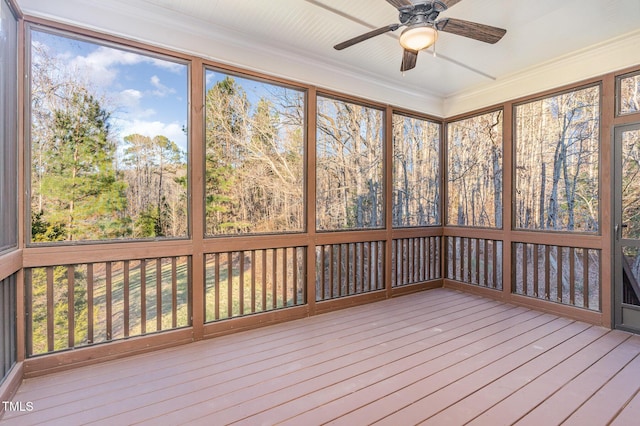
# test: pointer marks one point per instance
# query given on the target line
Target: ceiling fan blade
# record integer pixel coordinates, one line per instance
(450, 3)
(409, 59)
(473, 30)
(366, 36)
(398, 4)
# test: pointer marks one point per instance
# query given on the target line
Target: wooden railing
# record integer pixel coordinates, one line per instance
(474, 261)
(348, 269)
(566, 275)
(415, 260)
(78, 305)
(246, 282)
(7, 325)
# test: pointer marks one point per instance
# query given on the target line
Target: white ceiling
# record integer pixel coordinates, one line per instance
(548, 43)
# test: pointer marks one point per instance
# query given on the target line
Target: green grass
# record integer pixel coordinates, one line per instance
(118, 314)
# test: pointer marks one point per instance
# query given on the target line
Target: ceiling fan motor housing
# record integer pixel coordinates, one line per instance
(421, 13)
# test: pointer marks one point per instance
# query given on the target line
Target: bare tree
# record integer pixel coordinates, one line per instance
(475, 171)
(630, 94)
(349, 155)
(416, 172)
(557, 143)
(255, 159)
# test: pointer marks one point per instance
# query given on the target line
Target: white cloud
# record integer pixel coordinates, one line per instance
(129, 98)
(168, 65)
(133, 101)
(101, 64)
(211, 76)
(161, 89)
(128, 106)
(173, 131)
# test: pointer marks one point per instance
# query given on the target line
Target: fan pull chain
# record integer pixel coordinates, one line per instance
(434, 48)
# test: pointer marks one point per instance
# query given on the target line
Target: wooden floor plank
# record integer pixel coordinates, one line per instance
(402, 389)
(349, 383)
(466, 408)
(559, 406)
(433, 358)
(610, 399)
(530, 394)
(439, 356)
(325, 366)
(252, 343)
(221, 371)
(255, 341)
(489, 372)
(629, 414)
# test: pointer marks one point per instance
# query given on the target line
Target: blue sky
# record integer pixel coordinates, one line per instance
(254, 89)
(145, 94)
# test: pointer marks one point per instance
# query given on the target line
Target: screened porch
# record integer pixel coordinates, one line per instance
(187, 239)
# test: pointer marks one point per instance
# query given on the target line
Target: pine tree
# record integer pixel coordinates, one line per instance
(81, 187)
(226, 117)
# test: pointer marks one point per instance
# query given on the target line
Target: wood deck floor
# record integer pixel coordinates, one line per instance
(435, 357)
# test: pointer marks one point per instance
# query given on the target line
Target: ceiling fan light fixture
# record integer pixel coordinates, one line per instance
(418, 37)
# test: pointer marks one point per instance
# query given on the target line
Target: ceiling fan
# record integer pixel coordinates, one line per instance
(422, 28)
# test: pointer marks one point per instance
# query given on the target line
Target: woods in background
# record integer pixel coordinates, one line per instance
(350, 166)
(254, 158)
(474, 171)
(88, 181)
(416, 172)
(556, 165)
(557, 162)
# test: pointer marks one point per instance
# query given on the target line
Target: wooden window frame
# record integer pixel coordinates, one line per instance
(102, 40)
